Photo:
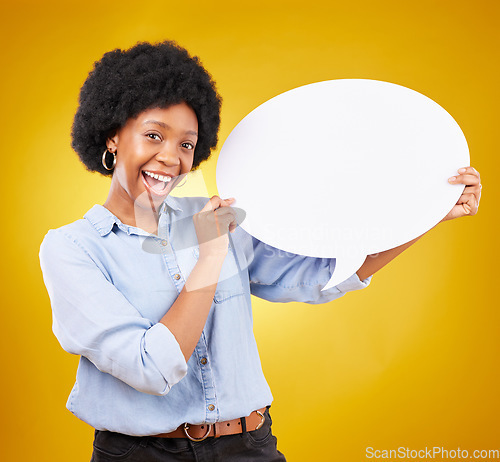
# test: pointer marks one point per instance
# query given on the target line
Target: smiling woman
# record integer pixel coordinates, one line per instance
(142, 323)
(169, 368)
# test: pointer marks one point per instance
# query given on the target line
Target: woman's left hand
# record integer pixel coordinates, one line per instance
(468, 202)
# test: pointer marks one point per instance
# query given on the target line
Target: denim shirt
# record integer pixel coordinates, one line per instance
(110, 284)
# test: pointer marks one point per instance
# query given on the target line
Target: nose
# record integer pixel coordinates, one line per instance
(169, 155)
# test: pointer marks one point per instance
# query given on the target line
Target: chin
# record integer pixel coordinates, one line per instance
(147, 202)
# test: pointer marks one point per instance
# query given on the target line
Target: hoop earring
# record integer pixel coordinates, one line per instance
(104, 160)
(182, 184)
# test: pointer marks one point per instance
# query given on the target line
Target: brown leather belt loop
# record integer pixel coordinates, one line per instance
(229, 427)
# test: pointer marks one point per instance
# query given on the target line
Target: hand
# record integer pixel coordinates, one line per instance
(212, 224)
(468, 202)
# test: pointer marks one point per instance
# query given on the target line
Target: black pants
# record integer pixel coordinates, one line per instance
(249, 446)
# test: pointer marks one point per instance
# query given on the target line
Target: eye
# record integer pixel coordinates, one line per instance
(154, 136)
(188, 145)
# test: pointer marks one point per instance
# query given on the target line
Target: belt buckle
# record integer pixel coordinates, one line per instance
(186, 428)
(263, 419)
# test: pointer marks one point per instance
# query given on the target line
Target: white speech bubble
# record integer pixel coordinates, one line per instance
(343, 168)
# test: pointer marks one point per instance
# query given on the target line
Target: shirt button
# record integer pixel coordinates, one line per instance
(164, 242)
(203, 361)
(177, 276)
(211, 407)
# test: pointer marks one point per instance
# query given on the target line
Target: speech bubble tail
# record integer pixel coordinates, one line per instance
(345, 267)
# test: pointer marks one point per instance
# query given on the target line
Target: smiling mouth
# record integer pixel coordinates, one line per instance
(158, 184)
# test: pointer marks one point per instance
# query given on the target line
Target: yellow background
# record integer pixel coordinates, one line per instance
(411, 361)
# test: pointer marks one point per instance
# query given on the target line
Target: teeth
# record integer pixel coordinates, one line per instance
(166, 179)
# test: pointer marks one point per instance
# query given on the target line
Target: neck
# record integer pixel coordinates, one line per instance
(132, 213)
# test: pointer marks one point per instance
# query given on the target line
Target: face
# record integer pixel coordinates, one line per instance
(152, 150)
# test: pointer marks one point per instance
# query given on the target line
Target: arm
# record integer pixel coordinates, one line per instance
(92, 318)
(467, 205)
(377, 261)
(187, 316)
(280, 276)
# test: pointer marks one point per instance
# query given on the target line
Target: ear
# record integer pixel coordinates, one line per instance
(112, 141)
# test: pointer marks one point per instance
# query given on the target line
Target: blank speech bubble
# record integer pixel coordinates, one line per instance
(343, 168)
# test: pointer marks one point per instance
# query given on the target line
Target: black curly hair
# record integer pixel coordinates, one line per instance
(125, 83)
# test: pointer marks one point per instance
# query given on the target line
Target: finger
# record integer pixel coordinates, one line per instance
(220, 215)
(239, 214)
(225, 220)
(222, 211)
(467, 209)
(226, 216)
(459, 210)
(227, 202)
(467, 179)
(213, 203)
(476, 190)
(470, 170)
(468, 203)
(473, 189)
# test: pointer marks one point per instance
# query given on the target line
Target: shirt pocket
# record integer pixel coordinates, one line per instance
(230, 282)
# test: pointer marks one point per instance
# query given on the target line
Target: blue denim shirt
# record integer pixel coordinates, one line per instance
(110, 284)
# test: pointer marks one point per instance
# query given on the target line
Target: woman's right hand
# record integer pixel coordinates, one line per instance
(212, 224)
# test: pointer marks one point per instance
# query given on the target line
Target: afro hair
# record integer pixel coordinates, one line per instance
(125, 83)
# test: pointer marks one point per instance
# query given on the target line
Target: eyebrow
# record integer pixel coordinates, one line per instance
(164, 125)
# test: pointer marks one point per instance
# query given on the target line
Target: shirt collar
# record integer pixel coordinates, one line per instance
(103, 220)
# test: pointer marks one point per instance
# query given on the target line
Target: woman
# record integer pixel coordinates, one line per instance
(153, 292)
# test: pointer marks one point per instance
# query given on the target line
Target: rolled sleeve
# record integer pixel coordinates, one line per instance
(93, 319)
(161, 345)
(352, 283)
